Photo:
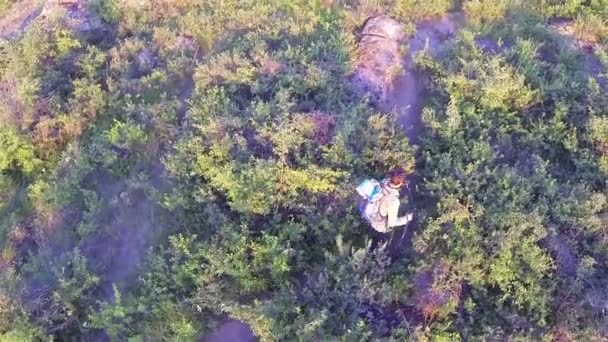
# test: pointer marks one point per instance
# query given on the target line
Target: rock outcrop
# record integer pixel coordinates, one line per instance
(18, 18)
(73, 14)
(386, 71)
(379, 53)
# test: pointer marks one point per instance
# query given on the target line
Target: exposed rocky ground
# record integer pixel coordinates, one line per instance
(587, 45)
(19, 17)
(387, 71)
(74, 14)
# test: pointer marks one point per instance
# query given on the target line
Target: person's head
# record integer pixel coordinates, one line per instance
(396, 178)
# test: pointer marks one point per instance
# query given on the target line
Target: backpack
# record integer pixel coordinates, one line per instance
(371, 191)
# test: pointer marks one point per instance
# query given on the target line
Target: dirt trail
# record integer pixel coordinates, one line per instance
(406, 92)
(388, 75)
(18, 17)
(403, 91)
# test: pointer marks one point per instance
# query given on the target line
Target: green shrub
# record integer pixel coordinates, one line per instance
(416, 10)
(112, 318)
(108, 10)
(65, 42)
(17, 158)
(126, 135)
(486, 11)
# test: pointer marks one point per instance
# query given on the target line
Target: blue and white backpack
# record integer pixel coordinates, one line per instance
(371, 191)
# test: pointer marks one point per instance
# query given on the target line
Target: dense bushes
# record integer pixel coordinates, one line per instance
(504, 178)
(198, 163)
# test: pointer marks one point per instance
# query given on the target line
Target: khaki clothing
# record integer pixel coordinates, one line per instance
(389, 211)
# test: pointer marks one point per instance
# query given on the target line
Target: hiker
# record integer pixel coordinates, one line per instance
(381, 206)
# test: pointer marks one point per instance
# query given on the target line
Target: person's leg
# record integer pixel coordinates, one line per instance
(378, 238)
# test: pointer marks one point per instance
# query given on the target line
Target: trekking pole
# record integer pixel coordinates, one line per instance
(410, 203)
(410, 200)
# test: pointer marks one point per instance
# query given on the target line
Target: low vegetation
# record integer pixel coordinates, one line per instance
(197, 162)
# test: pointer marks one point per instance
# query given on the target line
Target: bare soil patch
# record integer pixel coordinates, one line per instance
(386, 70)
(406, 92)
(587, 45)
(18, 17)
(73, 14)
(379, 55)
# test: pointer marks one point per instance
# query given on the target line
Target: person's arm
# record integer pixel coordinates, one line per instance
(393, 211)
